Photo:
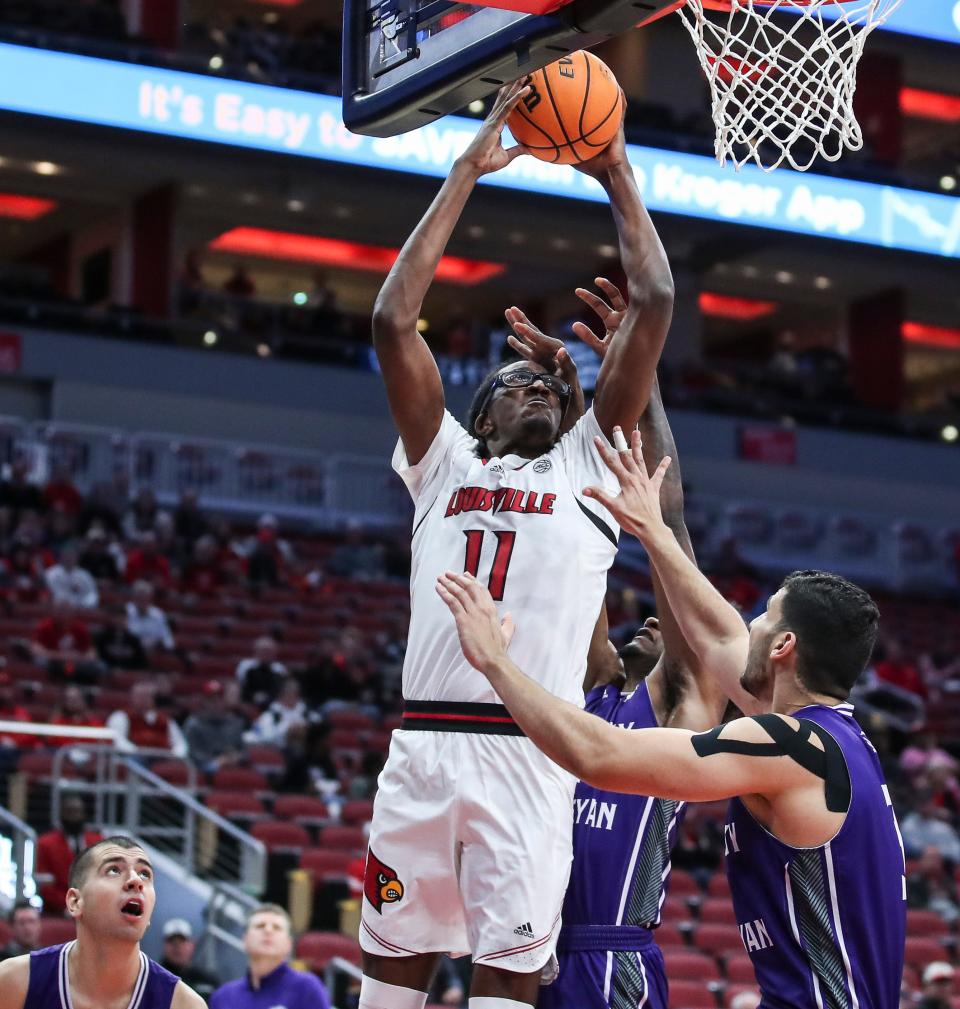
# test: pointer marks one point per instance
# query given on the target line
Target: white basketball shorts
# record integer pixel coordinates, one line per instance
(470, 850)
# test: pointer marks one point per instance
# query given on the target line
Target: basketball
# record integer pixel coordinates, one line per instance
(571, 112)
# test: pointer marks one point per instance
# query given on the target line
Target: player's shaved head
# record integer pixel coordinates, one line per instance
(87, 858)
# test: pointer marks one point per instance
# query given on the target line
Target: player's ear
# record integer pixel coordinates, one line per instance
(784, 646)
(483, 425)
(74, 902)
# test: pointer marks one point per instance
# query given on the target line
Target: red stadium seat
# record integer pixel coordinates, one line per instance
(717, 911)
(739, 970)
(926, 923)
(675, 909)
(56, 930)
(669, 934)
(240, 779)
(355, 720)
(718, 938)
(235, 805)
(690, 995)
(357, 812)
(320, 862)
(682, 884)
(691, 964)
(174, 772)
(36, 766)
(4, 932)
(281, 836)
(266, 759)
(304, 810)
(920, 951)
(345, 838)
(718, 886)
(317, 949)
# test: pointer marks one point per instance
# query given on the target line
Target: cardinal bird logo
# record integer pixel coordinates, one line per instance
(380, 883)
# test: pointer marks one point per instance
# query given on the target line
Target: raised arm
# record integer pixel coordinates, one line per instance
(14, 981)
(630, 364)
(776, 764)
(414, 388)
(712, 629)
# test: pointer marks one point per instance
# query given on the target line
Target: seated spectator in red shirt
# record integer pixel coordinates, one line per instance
(146, 563)
(56, 850)
(891, 666)
(61, 491)
(75, 711)
(97, 556)
(203, 574)
(10, 711)
(141, 725)
(62, 645)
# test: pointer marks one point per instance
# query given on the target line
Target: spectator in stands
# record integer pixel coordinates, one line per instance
(98, 558)
(178, 950)
(61, 491)
(73, 710)
(63, 646)
(240, 284)
(213, 732)
(928, 827)
(203, 574)
(148, 622)
(168, 546)
(12, 711)
(355, 557)
(891, 666)
(21, 572)
(270, 980)
(938, 980)
(364, 784)
(117, 646)
(264, 561)
(925, 754)
(931, 886)
(142, 514)
(61, 527)
(141, 725)
(288, 712)
(310, 766)
(17, 492)
(261, 676)
(24, 922)
(268, 530)
(146, 563)
(102, 509)
(71, 584)
(57, 848)
(189, 520)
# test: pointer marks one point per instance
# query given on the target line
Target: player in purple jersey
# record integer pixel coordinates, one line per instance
(606, 952)
(813, 848)
(111, 899)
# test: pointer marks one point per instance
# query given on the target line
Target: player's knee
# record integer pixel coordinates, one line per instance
(376, 994)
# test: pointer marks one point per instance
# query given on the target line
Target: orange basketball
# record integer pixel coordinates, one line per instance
(571, 112)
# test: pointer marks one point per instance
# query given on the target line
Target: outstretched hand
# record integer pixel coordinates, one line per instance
(534, 345)
(484, 638)
(637, 507)
(486, 152)
(610, 312)
(613, 156)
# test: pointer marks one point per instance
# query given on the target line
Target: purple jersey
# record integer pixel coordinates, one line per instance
(50, 986)
(825, 926)
(621, 862)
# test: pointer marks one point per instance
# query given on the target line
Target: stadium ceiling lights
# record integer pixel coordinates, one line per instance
(295, 248)
(930, 105)
(25, 208)
(931, 336)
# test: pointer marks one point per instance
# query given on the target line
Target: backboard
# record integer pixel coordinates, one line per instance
(408, 62)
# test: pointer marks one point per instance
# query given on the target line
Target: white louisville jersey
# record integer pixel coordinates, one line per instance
(524, 529)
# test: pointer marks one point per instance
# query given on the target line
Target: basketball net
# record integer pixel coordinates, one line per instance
(782, 75)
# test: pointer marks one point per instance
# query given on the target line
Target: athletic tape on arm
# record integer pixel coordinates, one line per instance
(827, 764)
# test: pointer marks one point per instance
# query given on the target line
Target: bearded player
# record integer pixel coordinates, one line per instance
(470, 841)
(111, 899)
(812, 845)
(607, 952)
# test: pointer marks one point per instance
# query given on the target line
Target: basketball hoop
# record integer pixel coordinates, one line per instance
(782, 75)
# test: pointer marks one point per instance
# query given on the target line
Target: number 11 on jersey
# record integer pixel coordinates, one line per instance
(501, 559)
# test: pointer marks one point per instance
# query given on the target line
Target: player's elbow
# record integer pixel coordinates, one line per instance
(387, 322)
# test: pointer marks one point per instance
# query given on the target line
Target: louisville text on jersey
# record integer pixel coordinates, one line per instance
(504, 499)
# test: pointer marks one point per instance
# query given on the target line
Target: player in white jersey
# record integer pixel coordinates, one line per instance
(470, 842)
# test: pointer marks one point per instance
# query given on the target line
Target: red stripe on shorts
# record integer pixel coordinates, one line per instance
(389, 945)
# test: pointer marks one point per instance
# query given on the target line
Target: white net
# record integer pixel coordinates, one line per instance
(782, 74)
